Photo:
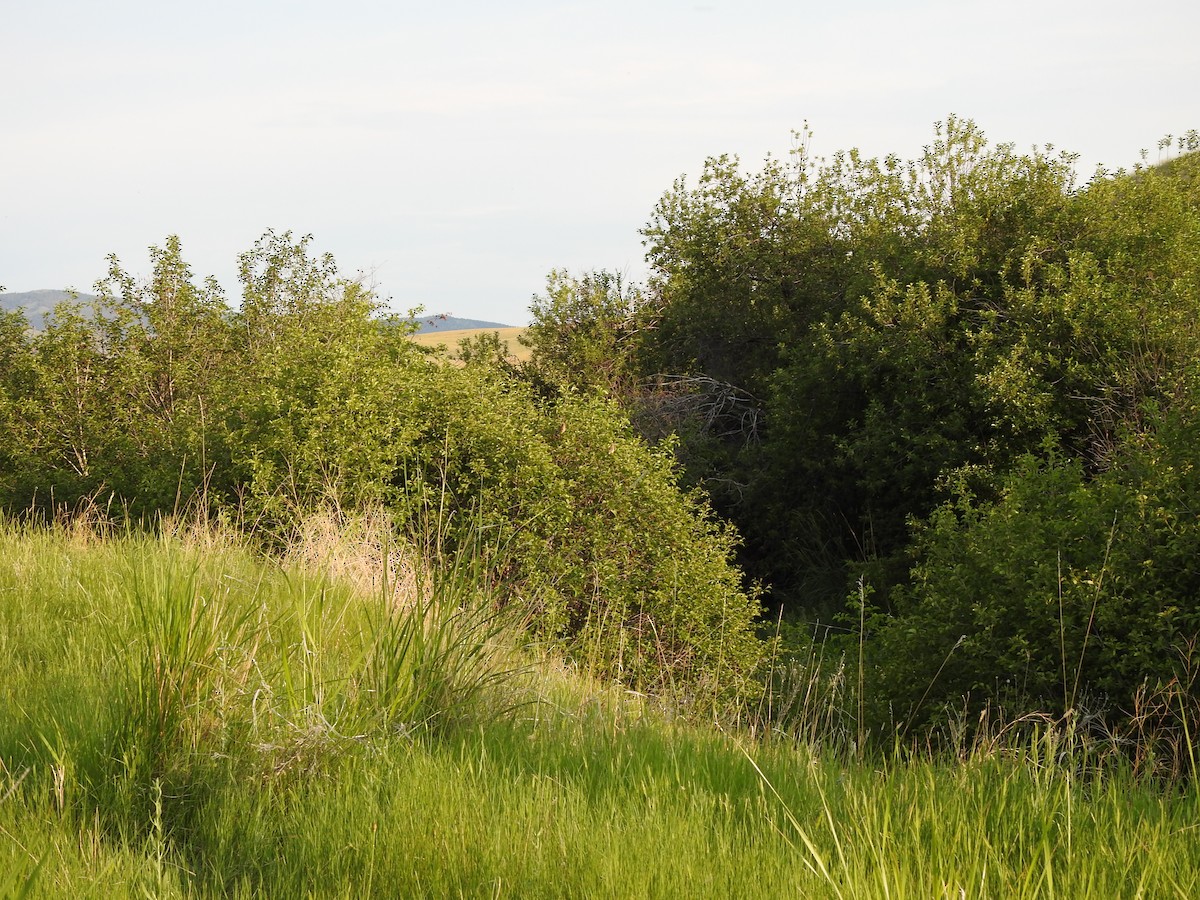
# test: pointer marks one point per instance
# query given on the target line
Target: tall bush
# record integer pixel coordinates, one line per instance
(1067, 593)
(307, 397)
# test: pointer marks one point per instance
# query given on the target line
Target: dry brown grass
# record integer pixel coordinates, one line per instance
(359, 550)
(517, 353)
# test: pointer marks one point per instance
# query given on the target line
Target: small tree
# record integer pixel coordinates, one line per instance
(585, 332)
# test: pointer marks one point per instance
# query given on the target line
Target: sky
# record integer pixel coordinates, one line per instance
(455, 152)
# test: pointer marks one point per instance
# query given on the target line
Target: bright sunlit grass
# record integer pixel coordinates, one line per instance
(182, 717)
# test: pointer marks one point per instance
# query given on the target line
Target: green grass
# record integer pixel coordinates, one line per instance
(179, 717)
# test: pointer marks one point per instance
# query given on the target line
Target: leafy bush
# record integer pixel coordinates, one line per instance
(895, 322)
(1064, 592)
(306, 398)
(971, 390)
(584, 333)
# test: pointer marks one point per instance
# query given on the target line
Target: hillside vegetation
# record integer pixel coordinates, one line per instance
(852, 555)
(944, 412)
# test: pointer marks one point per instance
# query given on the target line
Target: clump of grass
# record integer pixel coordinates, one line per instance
(361, 551)
(1162, 729)
(807, 698)
(436, 657)
(193, 671)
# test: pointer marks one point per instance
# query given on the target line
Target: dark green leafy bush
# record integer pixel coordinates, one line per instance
(967, 375)
(1065, 591)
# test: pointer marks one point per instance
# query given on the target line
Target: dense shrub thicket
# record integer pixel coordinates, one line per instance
(949, 404)
(160, 395)
(964, 382)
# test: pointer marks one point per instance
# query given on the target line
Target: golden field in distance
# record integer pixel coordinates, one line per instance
(450, 339)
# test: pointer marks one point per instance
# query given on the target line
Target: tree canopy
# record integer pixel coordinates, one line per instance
(962, 367)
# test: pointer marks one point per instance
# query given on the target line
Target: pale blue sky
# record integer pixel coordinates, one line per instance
(460, 150)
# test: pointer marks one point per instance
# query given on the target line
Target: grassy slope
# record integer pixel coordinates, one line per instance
(450, 339)
(275, 774)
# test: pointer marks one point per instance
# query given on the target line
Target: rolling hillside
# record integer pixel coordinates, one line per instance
(443, 323)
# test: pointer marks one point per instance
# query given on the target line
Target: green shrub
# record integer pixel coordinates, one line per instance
(307, 398)
(1067, 591)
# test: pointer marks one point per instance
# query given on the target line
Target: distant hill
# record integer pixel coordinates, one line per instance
(427, 324)
(36, 304)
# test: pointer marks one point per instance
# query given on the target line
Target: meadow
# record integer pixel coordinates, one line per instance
(182, 715)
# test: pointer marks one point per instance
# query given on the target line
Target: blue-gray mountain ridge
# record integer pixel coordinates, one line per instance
(38, 304)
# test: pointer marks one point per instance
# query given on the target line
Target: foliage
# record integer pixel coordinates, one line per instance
(647, 581)
(110, 397)
(970, 381)
(16, 377)
(316, 414)
(307, 398)
(949, 400)
(588, 528)
(1065, 594)
(584, 333)
(859, 300)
